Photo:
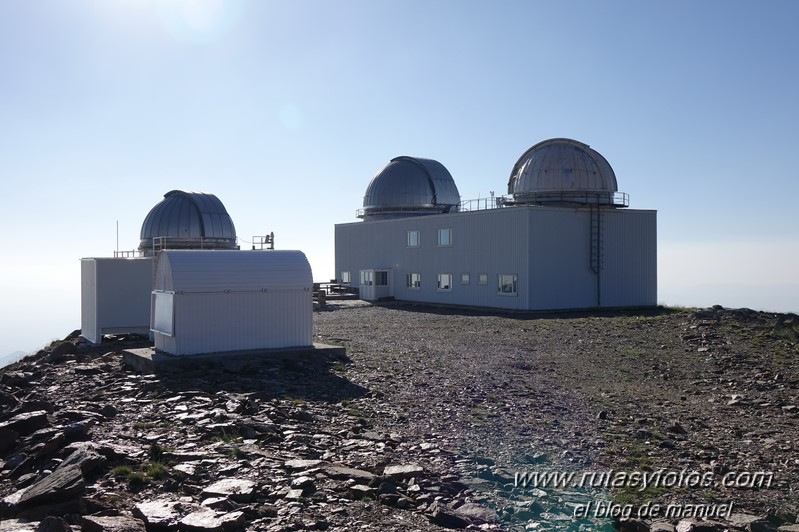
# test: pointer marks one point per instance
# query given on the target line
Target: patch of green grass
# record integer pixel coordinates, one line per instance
(635, 496)
(631, 352)
(137, 479)
(230, 436)
(297, 401)
(156, 452)
(122, 471)
(236, 453)
(354, 412)
(156, 470)
(477, 413)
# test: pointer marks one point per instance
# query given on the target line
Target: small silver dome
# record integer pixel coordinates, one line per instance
(410, 186)
(189, 220)
(564, 171)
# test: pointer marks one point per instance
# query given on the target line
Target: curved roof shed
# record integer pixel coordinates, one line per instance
(207, 301)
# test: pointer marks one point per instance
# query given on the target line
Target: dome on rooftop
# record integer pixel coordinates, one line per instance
(410, 186)
(189, 220)
(564, 171)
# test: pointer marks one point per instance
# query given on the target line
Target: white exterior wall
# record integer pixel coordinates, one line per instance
(115, 296)
(233, 301)
(629, 276)
(559, 256)
(482, 242)
(548, 248)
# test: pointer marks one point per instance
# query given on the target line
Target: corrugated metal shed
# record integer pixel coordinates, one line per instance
(218, 301)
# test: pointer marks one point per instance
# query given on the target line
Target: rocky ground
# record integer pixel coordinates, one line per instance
(434, 421)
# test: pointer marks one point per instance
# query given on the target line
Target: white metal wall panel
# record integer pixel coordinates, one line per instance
(629, 278)
(239, 321)
(115, 296)
(88, 301)
(491, 241)
(220, 270)
(560, 268)
(549, 248)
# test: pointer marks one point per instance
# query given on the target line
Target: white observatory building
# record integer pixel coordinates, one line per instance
(115, 291)
(563, 237)
(191, 288)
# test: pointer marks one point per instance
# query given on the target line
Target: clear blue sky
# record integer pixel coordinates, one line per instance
(285, 110)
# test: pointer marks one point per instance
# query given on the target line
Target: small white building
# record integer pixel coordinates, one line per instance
(223, 301)
(115, 296)
(563, 237)
(115, 291)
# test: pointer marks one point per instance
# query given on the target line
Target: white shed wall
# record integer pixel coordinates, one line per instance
(115, 296)
(233, 301)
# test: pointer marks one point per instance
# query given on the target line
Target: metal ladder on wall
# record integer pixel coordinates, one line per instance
(596, 239)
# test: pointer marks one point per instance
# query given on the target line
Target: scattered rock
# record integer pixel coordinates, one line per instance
(26, 422)
(160, 513)
(239, 490)
(211, 521)
(119, 523)
(64, 483)
(415, 431)
(403, 471)
(8, 439)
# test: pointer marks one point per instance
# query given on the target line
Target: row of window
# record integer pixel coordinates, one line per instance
(415, 238)
(506, 282)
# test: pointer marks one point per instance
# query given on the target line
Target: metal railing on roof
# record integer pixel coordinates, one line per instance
(481, 204)
(128, 254)
(586, 197)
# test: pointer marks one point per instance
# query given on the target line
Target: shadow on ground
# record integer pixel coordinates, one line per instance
(455, 310)
(312, 377)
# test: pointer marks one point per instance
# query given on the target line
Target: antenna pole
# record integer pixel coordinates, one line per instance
(117, 235)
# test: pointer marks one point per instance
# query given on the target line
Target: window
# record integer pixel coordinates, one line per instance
(381, 278)
(413, 239)
(445, 237)
(445, 282)
(507, 284)
(482, 278)
(413, 280)
(464, 278)
(345, 278)
(367, 277)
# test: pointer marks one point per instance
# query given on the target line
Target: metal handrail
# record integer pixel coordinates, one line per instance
(128, 254)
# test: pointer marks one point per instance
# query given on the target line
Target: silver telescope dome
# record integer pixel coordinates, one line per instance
(188, 220)
(564, 171)
(410, 186)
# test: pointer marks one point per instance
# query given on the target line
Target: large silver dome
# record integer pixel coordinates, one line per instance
(189, 220)
(410, 186)
(564, 171)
